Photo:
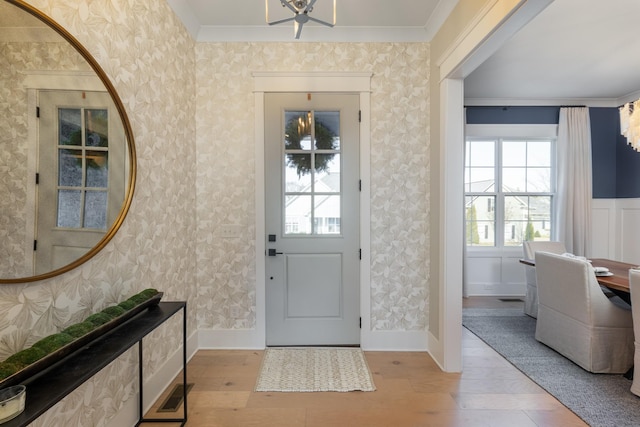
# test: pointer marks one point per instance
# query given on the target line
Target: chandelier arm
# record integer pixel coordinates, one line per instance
(309, 7)
(287, 3)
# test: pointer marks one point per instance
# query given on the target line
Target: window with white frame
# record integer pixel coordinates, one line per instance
(509, 190)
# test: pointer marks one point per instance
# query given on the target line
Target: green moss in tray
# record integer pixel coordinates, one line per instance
(54, 342)
(50, 344)
(143, 296)
(114, 311)
(27, 356)
(148, 293)
(98, 318)
(7, 369)
(127, 305)
(79, 329)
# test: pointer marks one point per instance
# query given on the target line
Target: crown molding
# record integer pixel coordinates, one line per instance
(542, 102)
(311, 33)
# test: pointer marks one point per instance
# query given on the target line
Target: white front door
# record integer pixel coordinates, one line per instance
(312, 219)
(82, 174)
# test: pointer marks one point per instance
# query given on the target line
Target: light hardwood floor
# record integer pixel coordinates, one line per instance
(411, 391)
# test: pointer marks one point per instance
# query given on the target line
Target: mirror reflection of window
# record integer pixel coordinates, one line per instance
(83, 168)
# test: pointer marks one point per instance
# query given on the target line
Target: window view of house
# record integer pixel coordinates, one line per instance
(312, 175)
(509, 189)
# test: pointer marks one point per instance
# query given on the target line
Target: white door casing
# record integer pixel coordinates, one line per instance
(328, 82)
(91, 186)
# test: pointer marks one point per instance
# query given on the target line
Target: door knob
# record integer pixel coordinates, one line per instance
(272, 252)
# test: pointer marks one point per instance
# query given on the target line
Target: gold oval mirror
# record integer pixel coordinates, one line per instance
(67, 155)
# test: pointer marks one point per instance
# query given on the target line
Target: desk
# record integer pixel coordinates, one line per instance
(50, 386)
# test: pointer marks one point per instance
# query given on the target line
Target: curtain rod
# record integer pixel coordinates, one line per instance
(505, 107)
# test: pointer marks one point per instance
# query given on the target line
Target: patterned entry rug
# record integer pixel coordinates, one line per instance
(309, 369)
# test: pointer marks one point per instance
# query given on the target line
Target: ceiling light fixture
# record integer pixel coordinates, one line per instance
(630, 123)
(301, 10)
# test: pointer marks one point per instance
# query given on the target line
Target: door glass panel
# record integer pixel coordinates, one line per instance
(69, 203)
(82, 171)
(327, 215)
(297, 214)
(327, 176)
(297, 130)
(327, 130)
(312, 187)
(70, 126)
(97, 128)
(297, 176)
(97, 169)
(95, 206)
(70, 168)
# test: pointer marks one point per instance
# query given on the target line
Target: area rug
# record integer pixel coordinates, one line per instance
(601, 400)
(310, 369)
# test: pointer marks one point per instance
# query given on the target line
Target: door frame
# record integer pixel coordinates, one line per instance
(307, 82)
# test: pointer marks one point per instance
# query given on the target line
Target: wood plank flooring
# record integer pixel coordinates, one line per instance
(411, 391)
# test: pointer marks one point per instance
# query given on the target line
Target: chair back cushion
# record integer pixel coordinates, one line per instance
(566, 285)
(530, 248)
(634, 287)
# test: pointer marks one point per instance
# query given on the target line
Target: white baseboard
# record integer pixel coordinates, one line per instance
(394, 341)
(228, 339)
(249, 339)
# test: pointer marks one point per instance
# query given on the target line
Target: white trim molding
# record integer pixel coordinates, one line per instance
(512, 131)
(337, 82)
(312, 82)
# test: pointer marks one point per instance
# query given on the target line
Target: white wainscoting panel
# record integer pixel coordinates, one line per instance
(603, 228)
(493, 272)
(615, 235)
(629, 228)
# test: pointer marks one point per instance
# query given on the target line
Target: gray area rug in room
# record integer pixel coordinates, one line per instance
(601, 400)
(309, 369)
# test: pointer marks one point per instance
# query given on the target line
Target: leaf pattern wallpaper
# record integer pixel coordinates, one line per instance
(399, 172)
(191, 107)
(150, 59)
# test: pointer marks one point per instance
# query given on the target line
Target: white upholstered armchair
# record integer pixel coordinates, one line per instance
(577, 320)
(634, 285)
(530, 248)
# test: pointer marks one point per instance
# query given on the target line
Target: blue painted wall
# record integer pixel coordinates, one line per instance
(616, 166)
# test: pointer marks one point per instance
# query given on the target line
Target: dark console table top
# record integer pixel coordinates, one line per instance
(48, 387)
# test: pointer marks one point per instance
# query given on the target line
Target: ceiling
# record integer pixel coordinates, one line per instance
(356, 20)
(573, 52)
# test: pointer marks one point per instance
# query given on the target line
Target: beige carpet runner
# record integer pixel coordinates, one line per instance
(295, 369)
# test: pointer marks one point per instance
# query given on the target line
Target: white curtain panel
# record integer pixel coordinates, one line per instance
(573, 220)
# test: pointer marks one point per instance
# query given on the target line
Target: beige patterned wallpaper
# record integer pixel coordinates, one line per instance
(399, 177)
(191, 110)
(150, 59)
